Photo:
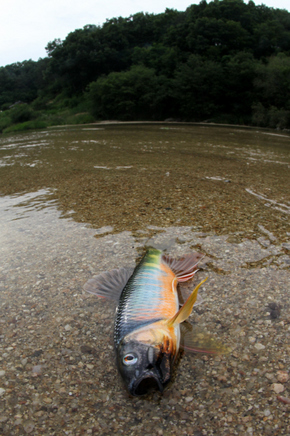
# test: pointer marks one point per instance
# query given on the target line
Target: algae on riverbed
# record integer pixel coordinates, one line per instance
(138, 175)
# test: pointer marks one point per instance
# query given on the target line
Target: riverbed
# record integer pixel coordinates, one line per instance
(77, 201)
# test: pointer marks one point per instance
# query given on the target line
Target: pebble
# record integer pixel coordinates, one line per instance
(284, 400)
(269, 376)
(188, 399)
(278, 388)
(90, 366)
(2, 391)
(37, 369)
(2, 373)
(282, 376)
(28, 427)
(259, 346)
(47, 400)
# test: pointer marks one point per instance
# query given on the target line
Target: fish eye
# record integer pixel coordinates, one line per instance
(129, 359)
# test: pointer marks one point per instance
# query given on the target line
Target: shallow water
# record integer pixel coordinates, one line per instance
(82, 200)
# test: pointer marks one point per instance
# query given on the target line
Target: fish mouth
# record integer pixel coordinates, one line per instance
(147, 383)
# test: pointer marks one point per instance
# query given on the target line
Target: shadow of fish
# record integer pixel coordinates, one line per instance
(149, 324)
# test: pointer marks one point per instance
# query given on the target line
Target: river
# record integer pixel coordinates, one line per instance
(76, 201)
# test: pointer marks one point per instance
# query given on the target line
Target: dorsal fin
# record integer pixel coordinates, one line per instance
(109, 284)
(185, 267)
(186, 309)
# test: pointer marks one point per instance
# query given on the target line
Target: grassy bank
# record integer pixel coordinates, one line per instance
(41, 114)
(23, 116)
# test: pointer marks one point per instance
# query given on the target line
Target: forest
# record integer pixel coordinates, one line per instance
(224, 61)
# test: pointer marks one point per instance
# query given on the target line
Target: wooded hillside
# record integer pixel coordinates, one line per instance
(223, 61)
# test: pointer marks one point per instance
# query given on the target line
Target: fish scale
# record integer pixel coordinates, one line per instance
(140, 297)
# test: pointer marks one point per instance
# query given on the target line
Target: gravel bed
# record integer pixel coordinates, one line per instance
(57, 364)
(77, 201)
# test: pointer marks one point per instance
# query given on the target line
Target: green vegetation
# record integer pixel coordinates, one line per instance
(222, 61)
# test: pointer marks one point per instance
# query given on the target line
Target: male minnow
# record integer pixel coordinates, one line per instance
(147, 332)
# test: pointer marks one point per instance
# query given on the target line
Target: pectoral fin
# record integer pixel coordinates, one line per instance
(186, 309)
(195, 340)
(109, 284)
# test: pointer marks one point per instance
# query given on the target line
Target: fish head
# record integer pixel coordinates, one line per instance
(144, 366)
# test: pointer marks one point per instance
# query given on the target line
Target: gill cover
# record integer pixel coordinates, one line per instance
(143, 367)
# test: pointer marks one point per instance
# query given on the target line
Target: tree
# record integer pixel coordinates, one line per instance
(272, 81)
(21, 81)
(199, 88)
(240, 72)
(137, 94)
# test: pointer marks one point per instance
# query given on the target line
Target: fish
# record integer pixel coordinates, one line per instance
(150, 326)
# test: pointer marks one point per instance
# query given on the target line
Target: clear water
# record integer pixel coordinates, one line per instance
(77, 201)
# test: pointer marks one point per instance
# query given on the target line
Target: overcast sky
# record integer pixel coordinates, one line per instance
(27, 26)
